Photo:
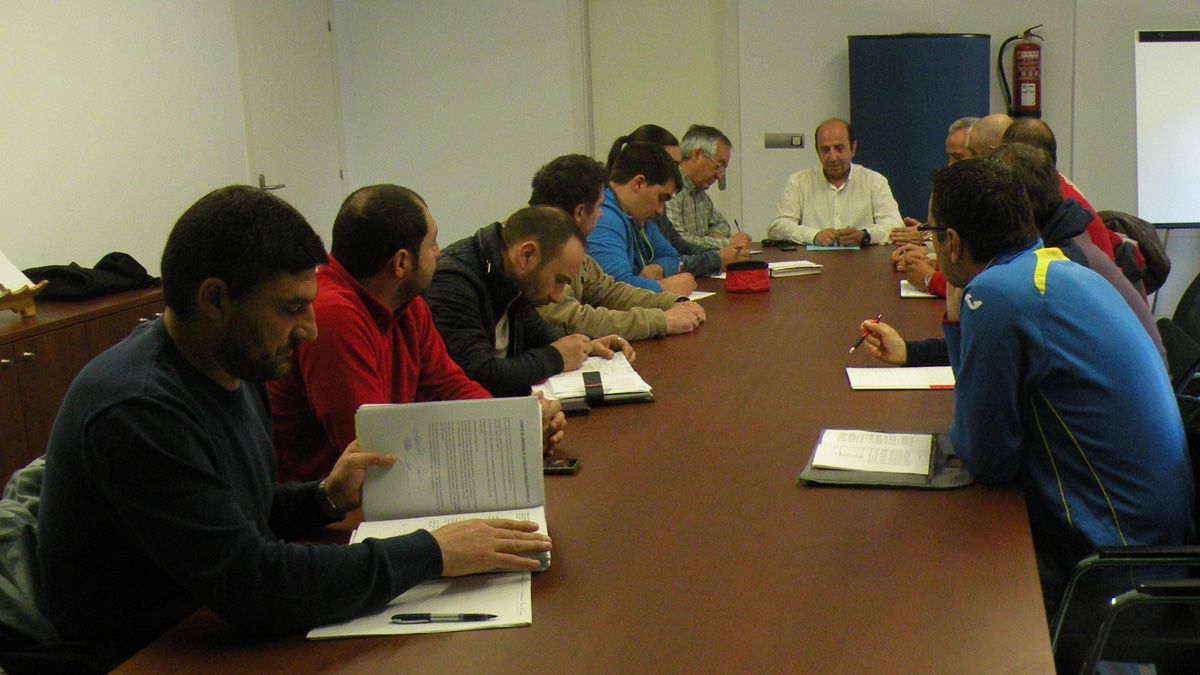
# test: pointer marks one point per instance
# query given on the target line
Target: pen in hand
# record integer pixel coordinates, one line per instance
(864, 335)
(439, 618)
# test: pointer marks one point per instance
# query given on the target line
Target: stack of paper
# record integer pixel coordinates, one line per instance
(786, 268)
(793, 268)
(855, 450)
(619, 378)
(907, 290)
(925, 377)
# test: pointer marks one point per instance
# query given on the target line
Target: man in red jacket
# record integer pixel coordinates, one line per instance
(377, 342)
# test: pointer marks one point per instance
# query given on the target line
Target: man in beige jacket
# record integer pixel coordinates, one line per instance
(594, 303)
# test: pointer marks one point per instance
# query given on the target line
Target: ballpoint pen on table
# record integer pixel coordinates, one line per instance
(439, 618)
(864, 335)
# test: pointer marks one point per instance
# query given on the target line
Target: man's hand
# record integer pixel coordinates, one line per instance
(574, 349)
(953, 301)
(885, 343)
(741, 240)
(652, 271)
(902, 252)
(344, 484)
(609, 345)
(917, 270)
(907, 234)
(554, 423)
(826, 237)
(684, 317)
(477, 545)
(680, 284)
(731, 253)
(849, 236)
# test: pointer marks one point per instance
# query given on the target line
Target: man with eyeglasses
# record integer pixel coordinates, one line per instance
(841, 204)
(705, 151)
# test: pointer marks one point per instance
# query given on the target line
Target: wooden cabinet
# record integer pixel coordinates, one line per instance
(40, 356)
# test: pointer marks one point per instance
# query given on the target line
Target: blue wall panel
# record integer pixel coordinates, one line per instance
(905, 90)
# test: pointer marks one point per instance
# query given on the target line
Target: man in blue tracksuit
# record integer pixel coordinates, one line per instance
(1058, 387)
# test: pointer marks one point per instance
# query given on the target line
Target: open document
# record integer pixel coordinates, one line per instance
(872, 458)
(619, 380)
(456, 460)
(873, 451)
(922, 377)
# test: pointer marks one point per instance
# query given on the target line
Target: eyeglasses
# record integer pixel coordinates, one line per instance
(926, 227)
(721, 168)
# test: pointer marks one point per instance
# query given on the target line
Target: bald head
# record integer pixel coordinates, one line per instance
(986, 134)
(1032, 131)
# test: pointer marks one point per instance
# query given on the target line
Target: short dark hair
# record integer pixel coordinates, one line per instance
(982, 200)
(644, 159)
(1032, 131)
(849, 129)
(240, 235)
(567, 182)
(1035, 170)
(647, 133)
(549, 226)
(374, 223)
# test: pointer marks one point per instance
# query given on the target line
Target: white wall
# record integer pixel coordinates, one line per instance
(460, 100)
(667, 62)
(795, 72)
(1105, 162)
(114, 117)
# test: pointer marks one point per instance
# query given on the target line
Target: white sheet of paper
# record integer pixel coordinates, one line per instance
(616, 373)
(925, 377)
(700, 295)
(452, 456)
(12, 279)
(507, 595)
(907, 290)
(858, 450)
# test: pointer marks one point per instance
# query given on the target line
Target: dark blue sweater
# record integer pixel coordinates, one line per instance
(160, 497)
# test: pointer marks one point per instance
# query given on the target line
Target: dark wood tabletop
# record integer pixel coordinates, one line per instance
(684, 544)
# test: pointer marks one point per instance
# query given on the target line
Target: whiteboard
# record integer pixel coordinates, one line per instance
(1167, 68)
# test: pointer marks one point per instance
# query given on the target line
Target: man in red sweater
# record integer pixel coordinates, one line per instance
(376, 341)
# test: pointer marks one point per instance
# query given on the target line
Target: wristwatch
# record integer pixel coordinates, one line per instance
(866, 240)
(325, 503)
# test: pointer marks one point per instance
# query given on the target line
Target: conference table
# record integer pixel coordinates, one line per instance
(685, 543)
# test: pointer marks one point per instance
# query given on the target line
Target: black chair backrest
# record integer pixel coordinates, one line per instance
(1183, 353)
(1187, 312)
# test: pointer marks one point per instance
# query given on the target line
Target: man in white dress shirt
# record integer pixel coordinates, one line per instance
(842, 204)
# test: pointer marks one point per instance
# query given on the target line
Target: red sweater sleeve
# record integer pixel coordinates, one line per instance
(937, 284)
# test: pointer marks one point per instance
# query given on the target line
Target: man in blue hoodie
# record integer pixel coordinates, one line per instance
(642, 180)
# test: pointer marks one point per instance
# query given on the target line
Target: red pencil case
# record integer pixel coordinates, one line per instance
(749, 276)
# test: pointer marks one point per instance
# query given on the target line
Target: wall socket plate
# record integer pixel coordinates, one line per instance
(783, 141)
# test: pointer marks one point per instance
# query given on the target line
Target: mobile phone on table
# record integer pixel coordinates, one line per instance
(560, 464)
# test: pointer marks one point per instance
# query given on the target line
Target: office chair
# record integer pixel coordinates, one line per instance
(1187, 312)
(1170, 639)
(1183, 357)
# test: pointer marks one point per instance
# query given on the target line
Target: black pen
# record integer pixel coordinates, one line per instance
(439, 618)
(865, 334)
(735, 224)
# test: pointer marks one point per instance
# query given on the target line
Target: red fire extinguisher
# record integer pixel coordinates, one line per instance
(1025, 99)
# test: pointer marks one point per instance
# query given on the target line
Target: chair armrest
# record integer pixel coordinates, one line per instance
(1174, 588)
(1178, 555)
